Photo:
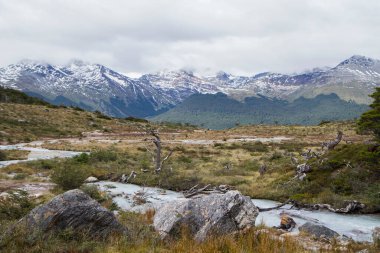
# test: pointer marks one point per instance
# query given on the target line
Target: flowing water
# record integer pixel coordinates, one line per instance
(36, 153)
(358, 227)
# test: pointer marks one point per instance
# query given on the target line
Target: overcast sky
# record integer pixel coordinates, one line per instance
(237, 36)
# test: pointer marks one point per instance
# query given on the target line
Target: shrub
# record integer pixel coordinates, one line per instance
(3, 156)
(184, 159)
(93, 191)
(82, 158)
(69, 176)
(15, 206)
(102, 116)
(275, 156)
(133, 119)
(107, 155)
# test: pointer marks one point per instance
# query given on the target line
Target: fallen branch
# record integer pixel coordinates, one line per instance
(195, 191)
(206, 190)
(352, 207)
(276, 207)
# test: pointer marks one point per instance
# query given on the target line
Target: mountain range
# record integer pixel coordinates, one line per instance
(96, 87)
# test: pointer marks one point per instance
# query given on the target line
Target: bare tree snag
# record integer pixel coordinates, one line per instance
(262, 170)
(330, 145)
(157, 156)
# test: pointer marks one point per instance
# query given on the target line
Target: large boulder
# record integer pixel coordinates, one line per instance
(205, 215)
(317, 230)
(72, 210)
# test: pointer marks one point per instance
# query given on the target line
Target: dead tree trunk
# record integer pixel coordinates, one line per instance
(262, 170)
(330, 145)
(158, 160)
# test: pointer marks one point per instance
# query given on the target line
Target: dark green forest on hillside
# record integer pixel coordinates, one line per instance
(14, 96)
(218, 111)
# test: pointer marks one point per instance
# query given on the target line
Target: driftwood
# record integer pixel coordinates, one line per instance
(206, 190)
(303, 168)
(125, 179)
(310, 154)
(275, 207)
(330, 145)
(351, 207)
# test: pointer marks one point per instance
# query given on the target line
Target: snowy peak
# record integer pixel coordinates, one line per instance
(358, 60)
(358, 68)
(223, 76)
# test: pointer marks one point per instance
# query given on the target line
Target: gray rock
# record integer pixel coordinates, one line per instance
(91, 180)
(72, 210)
(319, 231)
(213, 214)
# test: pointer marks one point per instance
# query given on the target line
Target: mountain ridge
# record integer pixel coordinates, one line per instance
(96, 87)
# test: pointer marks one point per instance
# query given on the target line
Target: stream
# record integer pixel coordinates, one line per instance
(36, 153)
(356, 226)
(137, 198)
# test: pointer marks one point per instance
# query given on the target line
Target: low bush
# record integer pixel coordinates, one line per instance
(15, 205)
(103, 155)
(69, 175)
(3, 156)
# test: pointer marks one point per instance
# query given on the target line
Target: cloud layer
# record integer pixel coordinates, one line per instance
(240, 36)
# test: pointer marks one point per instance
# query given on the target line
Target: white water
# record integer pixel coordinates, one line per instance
(35, 153)
(357, 227)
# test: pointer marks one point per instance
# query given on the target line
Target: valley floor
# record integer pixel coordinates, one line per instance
(226, 157)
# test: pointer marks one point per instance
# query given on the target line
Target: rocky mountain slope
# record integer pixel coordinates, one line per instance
(96, 87)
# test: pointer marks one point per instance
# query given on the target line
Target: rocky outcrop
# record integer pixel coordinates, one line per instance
(213, 214)
(91, 180)
(318, 231)
(72, 210)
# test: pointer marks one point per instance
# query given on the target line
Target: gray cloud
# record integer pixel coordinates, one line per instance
(240, 36)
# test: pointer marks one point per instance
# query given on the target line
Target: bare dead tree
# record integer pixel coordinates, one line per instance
(157, 156)
(262, 170)
(330, 145)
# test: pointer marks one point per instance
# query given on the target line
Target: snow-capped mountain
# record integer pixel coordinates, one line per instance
(96, 87)
(353, 79)
(90, 86)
